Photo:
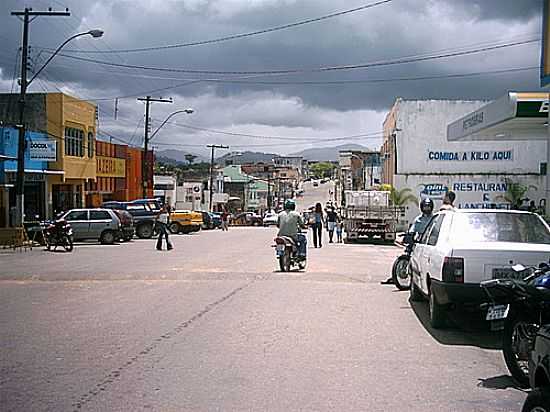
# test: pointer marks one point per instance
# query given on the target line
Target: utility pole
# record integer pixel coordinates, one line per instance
(20, 177)
(211, 184)
(144, 162)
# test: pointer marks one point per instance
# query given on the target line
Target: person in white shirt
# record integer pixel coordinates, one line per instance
(162, 225)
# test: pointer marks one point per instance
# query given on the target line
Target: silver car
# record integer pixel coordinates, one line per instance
(99, 224)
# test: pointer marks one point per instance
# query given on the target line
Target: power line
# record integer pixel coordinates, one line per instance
(255, 136)
(305, 70)
(237, 36)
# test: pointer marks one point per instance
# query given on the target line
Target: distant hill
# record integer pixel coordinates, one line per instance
(172, 155)
(245, 157)
(328, 153)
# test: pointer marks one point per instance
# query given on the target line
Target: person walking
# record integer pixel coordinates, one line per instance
(162, 225)
(317, 225)
(332, 217)
(225, 220)
(339, 229)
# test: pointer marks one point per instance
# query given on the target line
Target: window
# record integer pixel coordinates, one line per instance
(135, 207)
(99, 215)
(74, 142)
(434, 234)
(91, 144)
(425, 234)
(77, 215)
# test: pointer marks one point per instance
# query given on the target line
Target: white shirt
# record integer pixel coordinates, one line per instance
(163, 218)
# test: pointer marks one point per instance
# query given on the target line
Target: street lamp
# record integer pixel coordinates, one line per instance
(186, 111)
(20, 178)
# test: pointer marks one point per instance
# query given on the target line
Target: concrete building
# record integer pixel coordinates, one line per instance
(417, 155)
(246, 193)
(190, 196)
(39, 151)
(164, 188)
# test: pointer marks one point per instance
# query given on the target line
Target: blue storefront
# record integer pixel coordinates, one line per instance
(39, 151)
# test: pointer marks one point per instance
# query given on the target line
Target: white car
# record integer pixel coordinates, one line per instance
(459, 249)
(271, 218)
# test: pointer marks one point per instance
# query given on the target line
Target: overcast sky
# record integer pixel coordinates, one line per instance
(393, 30)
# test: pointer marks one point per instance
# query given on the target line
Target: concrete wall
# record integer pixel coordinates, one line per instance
(422, 145)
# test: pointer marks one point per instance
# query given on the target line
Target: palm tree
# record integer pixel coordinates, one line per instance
(515, 193)
(402, 197)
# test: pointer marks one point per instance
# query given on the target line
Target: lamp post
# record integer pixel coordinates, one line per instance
(20, 177)
(186, 111)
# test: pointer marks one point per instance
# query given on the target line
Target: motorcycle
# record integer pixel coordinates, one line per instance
(400, 270)
(58, 233)
(523, 305)
(286, 250)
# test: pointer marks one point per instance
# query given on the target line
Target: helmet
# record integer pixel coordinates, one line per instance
(427, 206)
(542, 281)
(290, 204)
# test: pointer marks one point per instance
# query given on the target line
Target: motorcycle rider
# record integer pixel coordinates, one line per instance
(422, 220)
(289, 223)
(419, 224)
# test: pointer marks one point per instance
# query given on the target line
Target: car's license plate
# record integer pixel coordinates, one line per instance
(497, 312)
(280, 249)
(506, 273)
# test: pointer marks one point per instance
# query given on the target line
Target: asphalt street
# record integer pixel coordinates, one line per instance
(212, 325)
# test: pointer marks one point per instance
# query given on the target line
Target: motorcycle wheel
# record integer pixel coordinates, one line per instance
(518, 341)
(538, 400)
(284, 261)
(68, 243)
(400, 273)
(302, 265)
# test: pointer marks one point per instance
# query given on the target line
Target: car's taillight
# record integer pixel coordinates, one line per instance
(453, 270)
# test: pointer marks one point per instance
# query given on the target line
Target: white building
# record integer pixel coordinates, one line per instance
(189, 196)
(417, 155)
(164, 188)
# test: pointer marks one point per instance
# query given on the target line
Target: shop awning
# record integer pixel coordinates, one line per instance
(45, 172)
(5, 158)
(515, 116)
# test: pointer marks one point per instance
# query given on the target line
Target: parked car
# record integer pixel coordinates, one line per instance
(144, 212)
(247, 219)
(98, 224)
(216, 220)
(270, 218)
(459, 249)
(539, 373)
(185, 221)
(207, 223)
(126, 224)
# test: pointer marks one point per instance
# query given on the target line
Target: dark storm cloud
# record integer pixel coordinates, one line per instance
(499, 9)
(401, 28)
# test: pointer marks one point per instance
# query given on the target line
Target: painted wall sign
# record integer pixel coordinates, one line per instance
(43, 150)
(110, 167)
(433, 190)
(472, 156)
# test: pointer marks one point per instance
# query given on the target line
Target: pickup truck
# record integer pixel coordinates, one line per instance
(144, 213)
(185, 221)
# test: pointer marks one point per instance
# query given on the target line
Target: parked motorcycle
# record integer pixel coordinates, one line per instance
(400, 270)
(58, 233)
(286, 250)
(524, 305)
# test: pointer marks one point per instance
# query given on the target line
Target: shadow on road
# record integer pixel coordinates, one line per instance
(465, 329)
(497, 382)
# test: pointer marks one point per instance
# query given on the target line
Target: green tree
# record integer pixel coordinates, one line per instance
(322, 169)
(190, 158)
(515, 193)
(402, 197)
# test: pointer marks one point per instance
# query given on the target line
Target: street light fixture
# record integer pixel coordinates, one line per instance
(95, 33)
(189, 110)
(20, 177)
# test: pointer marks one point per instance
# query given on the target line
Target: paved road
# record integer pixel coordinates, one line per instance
(212, 325)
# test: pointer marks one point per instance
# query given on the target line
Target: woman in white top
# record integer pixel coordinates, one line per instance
(162, 225)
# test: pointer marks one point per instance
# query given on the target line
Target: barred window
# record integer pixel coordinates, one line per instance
(74, 142)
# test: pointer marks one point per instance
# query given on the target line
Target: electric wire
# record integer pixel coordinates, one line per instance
(237, 36)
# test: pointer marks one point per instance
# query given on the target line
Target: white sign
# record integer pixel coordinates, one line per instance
(43, 150)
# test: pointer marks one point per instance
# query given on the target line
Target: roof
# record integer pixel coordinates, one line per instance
(234, 174)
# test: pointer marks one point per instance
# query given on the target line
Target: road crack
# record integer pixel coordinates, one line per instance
(115, 375)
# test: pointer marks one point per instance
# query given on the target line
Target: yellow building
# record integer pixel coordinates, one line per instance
(73, 123)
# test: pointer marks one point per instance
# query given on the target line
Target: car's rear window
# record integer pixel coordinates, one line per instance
(499, 227)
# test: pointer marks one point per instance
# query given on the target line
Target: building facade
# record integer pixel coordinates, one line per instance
(417, 155)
